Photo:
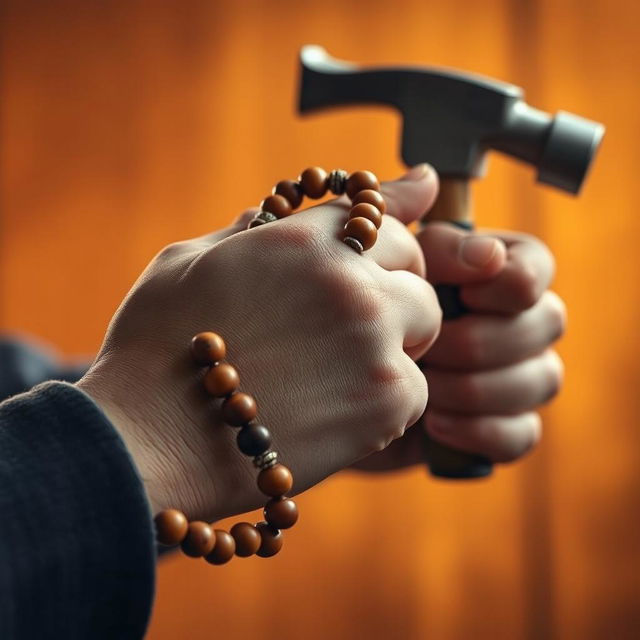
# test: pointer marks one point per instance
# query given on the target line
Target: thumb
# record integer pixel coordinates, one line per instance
(455, 256)
(412, 195)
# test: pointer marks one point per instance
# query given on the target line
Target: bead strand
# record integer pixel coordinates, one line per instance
(362, 187)
(198, 539)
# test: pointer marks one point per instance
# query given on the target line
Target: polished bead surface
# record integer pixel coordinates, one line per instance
(291, 190)
(171, 526)
(370, 197)
(314, 182)
(253, 440)
(224, 549)
(208, 347)
(199, 540)
(239, 409)
(368, 211)
(247, 539)
(272, 540)
(221, 380)
(362, 230)
(360, 180)
(281, 513)
(278, 205)
(275, 481)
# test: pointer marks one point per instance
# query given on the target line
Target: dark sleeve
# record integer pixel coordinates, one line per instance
(77, 557)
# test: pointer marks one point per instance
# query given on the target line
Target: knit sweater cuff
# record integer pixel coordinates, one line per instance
(76, 545)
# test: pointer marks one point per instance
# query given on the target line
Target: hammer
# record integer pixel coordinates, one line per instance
(450, 120)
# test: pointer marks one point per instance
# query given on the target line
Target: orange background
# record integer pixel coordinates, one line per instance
(127, 125)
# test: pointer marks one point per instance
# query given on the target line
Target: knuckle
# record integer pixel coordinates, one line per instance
(554, 374)
(472, 347)
(174, 250)
(526, 288)
(470, 391)
(523, 438)
(402, 398)
(556, 314)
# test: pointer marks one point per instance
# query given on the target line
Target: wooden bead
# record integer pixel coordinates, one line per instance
(363, 230)
(221, 380)
(281, 513)
(291, 190)
(278, 205)
(239, 409)
(224, 548)
(275, 481)
(171, 526)
(368, 211)
(247, 539)
(314, 182)
(253, 440)
(199, 541)
(360, 180)
(208, 347)
(272, 540)
(370, 197)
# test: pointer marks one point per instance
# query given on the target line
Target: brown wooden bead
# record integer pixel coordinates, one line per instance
(247, 539)
(272, 540)
(314, 182)
(291, 190)
(363, 230)
(221, 380)
(368, 211)
(360, 180)
(275, 481)
(278, 205)
(199, 540)
(224, 548)
(239, 409)
(208, 347)
(171, 526)
(370, 197)
(281, 513)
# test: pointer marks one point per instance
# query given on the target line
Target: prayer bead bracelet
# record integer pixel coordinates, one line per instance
(198, 539)
(362, 187)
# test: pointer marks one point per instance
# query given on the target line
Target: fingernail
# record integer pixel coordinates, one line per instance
(477, 251)
(416, 173)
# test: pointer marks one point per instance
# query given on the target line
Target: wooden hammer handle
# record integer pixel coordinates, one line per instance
(453, 205)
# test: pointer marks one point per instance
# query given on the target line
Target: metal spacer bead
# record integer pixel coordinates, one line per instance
(337, 181)
(266, 460)
(262, 218)
(354, 243)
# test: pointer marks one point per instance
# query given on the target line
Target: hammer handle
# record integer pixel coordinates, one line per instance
(454, 206)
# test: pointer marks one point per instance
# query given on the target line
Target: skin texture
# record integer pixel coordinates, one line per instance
(323, 338)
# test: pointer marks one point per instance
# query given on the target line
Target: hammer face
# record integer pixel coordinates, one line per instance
(571, 144)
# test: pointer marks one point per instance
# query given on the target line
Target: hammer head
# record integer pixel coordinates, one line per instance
(450, 119)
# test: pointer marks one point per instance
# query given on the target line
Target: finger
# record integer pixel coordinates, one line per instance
(500, 438)
(402, 452)
(479, 342)
(514, 389)
(456, 256)
(412, 195)
(397, 248)
(415, 310)
(528, 272)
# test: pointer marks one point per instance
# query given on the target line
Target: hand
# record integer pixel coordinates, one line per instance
(319, 335)
(490, 370)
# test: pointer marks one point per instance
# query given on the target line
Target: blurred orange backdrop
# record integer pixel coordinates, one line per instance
(127, 125)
